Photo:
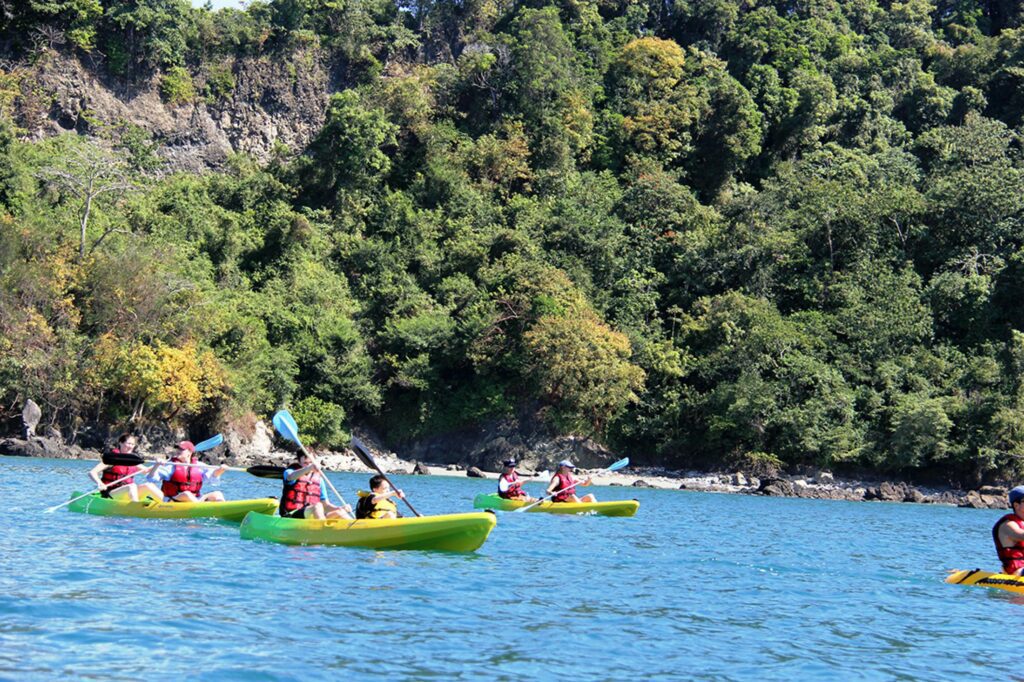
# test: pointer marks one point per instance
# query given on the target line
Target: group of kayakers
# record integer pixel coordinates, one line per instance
(182, 478)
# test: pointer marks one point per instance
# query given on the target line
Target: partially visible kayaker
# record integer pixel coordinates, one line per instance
(301, 497)
(108, 476)
(378, 504)
(180, 482)
(1008, 534)
(510, 487)
(563, 486)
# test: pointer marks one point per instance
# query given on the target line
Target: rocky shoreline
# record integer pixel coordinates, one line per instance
(820, 485)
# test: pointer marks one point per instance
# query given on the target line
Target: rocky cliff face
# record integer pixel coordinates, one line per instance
(275, 101)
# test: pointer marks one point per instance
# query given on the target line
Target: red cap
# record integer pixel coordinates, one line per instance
(187, 445)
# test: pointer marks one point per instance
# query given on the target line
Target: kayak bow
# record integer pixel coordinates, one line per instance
(980, 578)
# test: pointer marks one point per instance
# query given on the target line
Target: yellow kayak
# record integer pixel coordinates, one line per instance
(232, 510)
(450, 532)
(612, 508)
(980, 578)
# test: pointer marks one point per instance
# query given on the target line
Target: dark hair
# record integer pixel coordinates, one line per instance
(376, 481)
(125, 436)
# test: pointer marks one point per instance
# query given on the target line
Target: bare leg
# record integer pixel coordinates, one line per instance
(215, 496)
(150, 490)
(126, 491)
(186, 496)
(314, 511)
(589, 498)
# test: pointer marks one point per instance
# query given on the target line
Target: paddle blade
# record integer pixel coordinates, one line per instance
(266, 471)
(621, 464)
(210, 443)
(122, 459)
(363, 453)
(285, 425)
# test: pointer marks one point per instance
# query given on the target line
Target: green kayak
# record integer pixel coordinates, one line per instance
(450, 532)
(232, 510)
(613, 508)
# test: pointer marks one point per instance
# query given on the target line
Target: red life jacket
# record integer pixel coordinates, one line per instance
(515, 488)
(1012, 557)
(116, 472)
(564, 483)
(299, 494)
(182, 479)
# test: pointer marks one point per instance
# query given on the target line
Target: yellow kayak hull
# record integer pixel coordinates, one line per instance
(979, 578)
(448, 532)
(612, 508)
(232, 510)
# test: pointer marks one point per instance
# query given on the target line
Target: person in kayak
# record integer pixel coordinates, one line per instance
(301, 497)
(378, 504)
(180, 482)
(1008, 534)
(107, 477)
(509, 485)
(563, 486)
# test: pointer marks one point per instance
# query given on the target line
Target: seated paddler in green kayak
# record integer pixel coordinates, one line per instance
(1008, 534)
(563, 485)
(302, 497)
(115, 480)
(181, 482)
(377, 504)
(510, 487)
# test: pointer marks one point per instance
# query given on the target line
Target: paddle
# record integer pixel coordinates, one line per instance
(286, 426)
(129, 459)
(259, 470)
(622, 463)
(366, 458)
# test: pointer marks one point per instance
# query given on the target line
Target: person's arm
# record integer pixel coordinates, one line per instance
(553, 486)
(219, 471)
(292, 475)
(94, 474)
(158, 472)
(1011, 530)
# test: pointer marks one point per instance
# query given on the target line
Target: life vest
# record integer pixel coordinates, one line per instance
(183, 478)
(368, 509)
(515, 488)
(299, 494)
(564, 483)
(115, 472)
(1012, 557)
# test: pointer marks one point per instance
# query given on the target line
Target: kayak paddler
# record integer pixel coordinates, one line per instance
(301, 497)
(182, 483)
(563, 486)
(377, 504)
(1008, 534)
(108, 476)
(509, 485)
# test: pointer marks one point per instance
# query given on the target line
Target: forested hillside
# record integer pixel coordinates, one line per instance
(699, 231)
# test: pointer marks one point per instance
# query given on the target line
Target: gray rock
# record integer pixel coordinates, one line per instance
(473, 472)
(993, 490)
(825, 477)
(420, 468)
(739, 479)
(973, 500)
(30, 416)
(776, 487)
(248, 444)
(640, 483)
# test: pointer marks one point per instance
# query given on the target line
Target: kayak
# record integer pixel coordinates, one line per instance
(232, 510)
(979, 578)
(450, 532)
(613, 508)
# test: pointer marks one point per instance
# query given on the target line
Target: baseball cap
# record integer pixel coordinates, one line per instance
(567, 463)
(187, 445)
(1017, 494)
(509, 463)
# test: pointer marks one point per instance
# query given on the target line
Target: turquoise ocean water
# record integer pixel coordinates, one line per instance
(696, 586)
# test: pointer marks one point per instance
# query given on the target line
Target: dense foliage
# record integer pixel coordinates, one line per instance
(702, 231)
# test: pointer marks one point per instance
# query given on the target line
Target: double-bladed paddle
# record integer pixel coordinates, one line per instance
(366, 458)
(622, 463)
(286, 426)
(130, 459)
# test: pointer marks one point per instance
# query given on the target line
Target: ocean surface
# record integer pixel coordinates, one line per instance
(696, 586)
